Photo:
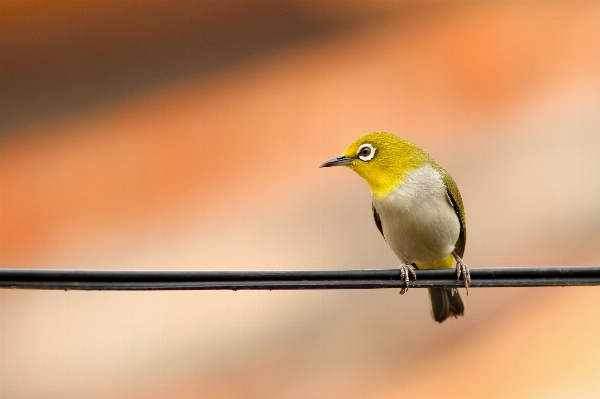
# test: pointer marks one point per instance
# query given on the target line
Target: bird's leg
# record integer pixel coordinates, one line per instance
(461, 268)
(406, 269)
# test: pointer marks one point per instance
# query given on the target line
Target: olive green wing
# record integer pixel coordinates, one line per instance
(457, 204)
(377, 220)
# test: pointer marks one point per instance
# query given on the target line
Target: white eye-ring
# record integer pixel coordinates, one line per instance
(366, 152)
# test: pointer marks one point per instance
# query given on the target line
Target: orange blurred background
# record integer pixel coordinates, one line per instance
(187, 135)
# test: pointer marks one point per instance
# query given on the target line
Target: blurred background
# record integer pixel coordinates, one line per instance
(188, 134)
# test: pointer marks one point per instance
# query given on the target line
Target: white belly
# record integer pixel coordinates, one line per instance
(417, 218)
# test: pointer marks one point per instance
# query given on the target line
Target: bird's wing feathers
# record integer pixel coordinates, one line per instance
(377, 220)
(457, 205)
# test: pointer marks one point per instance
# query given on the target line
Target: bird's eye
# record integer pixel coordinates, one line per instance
(366, 152)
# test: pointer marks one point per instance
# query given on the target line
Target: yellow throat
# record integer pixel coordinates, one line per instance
(393, 158)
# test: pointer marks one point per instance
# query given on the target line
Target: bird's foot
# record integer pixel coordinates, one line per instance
(462, 269)
(405, 271)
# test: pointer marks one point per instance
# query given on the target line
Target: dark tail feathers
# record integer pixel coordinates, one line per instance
(444, 304)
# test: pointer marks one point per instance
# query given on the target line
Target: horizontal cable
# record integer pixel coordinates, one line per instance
(146, 280)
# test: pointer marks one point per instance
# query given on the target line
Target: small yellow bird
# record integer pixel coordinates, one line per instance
(417, 208)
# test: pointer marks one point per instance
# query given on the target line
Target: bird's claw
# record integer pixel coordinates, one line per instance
(405, 271)
(462, 269)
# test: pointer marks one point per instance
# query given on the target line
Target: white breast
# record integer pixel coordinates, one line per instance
(417, 218)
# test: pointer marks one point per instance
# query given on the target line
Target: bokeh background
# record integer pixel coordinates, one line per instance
(187, 135)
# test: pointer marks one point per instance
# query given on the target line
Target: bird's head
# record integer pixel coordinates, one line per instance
(382, 159)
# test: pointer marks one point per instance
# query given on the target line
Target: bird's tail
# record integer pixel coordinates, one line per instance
(444, 304)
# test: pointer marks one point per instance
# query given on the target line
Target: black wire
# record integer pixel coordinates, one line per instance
(131, 280)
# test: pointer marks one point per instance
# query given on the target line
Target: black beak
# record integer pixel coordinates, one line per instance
(337, 161)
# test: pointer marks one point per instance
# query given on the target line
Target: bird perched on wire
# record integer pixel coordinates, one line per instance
(417, 208)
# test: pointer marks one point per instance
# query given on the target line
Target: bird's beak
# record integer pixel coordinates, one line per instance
(337, 161)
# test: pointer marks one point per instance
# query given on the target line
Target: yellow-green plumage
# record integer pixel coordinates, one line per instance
(395, 158)
(457, 205)
(416, 206)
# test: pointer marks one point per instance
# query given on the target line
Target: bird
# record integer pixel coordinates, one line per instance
(417, 208)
